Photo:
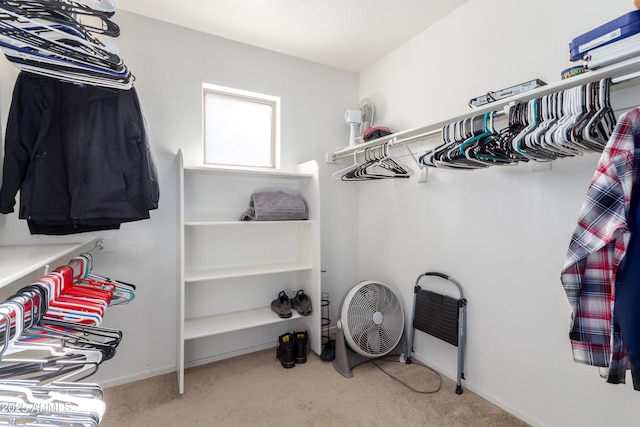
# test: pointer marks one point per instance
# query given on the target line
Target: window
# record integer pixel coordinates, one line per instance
(241, 128)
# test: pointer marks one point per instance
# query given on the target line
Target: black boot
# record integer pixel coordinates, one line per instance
(286, 352)
(302, 346)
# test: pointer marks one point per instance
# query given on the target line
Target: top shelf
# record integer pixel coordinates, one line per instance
(234, 171)
(624, 70)
(19, 260)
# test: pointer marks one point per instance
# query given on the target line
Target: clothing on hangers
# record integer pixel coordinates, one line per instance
(596, 257)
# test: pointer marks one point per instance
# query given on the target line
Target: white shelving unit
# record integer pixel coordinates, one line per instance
(231, 270)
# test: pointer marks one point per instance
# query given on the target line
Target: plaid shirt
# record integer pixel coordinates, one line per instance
(597, 248)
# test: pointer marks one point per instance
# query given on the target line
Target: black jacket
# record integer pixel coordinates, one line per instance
(79, 155)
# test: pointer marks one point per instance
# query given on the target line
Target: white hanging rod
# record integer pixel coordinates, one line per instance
(619, 73)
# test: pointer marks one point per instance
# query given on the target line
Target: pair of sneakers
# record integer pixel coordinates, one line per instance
(283, 305)
(292, 348)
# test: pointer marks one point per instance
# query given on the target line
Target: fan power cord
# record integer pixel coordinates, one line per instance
(374, 361)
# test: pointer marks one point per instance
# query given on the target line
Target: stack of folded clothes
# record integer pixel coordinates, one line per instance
(275, 206)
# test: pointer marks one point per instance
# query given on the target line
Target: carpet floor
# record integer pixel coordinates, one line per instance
(254, 390)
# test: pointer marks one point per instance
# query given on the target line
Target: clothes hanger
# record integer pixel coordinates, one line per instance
(359, 173)
(558, 119)
(56, 347)
(516, 122)
(40, 35)
(47, 362)
(43, 17)
(389, 163)
(575, 110)
(5, 327)
(123, 292)
(490, 150)
(62, 307)
(536, 140)
(88, 390)
(524, 142)
(601, 126)
(49, 38)
(445, 155)
(69, 403)
(107, 7)
(378, 164)
(341, 172)
(461, 153)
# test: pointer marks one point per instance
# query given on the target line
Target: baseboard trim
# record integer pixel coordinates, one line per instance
(469, 385)
(223, 356)
(113, 382)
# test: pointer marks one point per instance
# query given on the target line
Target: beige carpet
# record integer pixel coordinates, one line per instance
(254, 390)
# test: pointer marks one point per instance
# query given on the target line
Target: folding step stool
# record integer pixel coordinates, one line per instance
(441, 316)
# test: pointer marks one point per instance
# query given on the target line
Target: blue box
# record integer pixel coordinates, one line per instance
(618, 29)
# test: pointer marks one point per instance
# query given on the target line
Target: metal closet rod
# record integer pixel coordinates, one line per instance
(392, 141)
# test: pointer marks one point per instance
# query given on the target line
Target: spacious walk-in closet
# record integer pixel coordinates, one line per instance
(190, 278)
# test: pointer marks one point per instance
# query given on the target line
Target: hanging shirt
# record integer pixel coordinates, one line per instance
(598, 245)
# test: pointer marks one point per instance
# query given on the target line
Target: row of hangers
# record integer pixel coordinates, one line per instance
(63, 39)
(50, 338)
(562, 124)
(378, 164)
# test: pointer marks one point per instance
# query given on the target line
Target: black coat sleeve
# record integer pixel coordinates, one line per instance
(17, 150)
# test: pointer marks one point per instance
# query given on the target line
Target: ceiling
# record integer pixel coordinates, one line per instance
(346, 34)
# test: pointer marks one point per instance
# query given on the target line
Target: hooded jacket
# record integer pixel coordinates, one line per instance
(79, 155)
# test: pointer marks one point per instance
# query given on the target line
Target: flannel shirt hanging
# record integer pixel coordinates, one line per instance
(597, 247)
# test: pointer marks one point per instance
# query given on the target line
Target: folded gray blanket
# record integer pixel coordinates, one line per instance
(275, 206)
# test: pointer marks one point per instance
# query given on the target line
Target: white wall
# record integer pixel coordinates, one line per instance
(170, 64)
(502, 232)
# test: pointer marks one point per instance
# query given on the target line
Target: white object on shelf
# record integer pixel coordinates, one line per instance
(231, 270)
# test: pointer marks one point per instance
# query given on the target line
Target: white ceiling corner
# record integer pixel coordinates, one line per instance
(346, 34)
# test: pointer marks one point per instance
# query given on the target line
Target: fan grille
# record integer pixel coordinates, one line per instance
(374, 319)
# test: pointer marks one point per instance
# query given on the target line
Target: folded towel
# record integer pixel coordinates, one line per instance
(275, 206)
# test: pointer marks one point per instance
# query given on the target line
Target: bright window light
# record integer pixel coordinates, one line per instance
(240, 128)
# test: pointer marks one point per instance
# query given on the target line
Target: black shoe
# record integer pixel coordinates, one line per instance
(282, 305)
(302, 346)
(286, 352)
(329, 351)
(301, 303)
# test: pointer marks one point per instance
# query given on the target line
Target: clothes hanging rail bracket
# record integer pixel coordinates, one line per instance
(98, 245)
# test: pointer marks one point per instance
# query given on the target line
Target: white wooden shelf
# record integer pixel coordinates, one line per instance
(243, 223)
(250, 261)
(234, 171)
(230, 322)
(19, 260)
(244, 271)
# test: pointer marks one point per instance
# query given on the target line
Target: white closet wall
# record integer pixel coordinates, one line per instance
(501, 232)
(170, 64)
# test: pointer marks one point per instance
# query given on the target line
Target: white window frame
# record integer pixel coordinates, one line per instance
(238, 94)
